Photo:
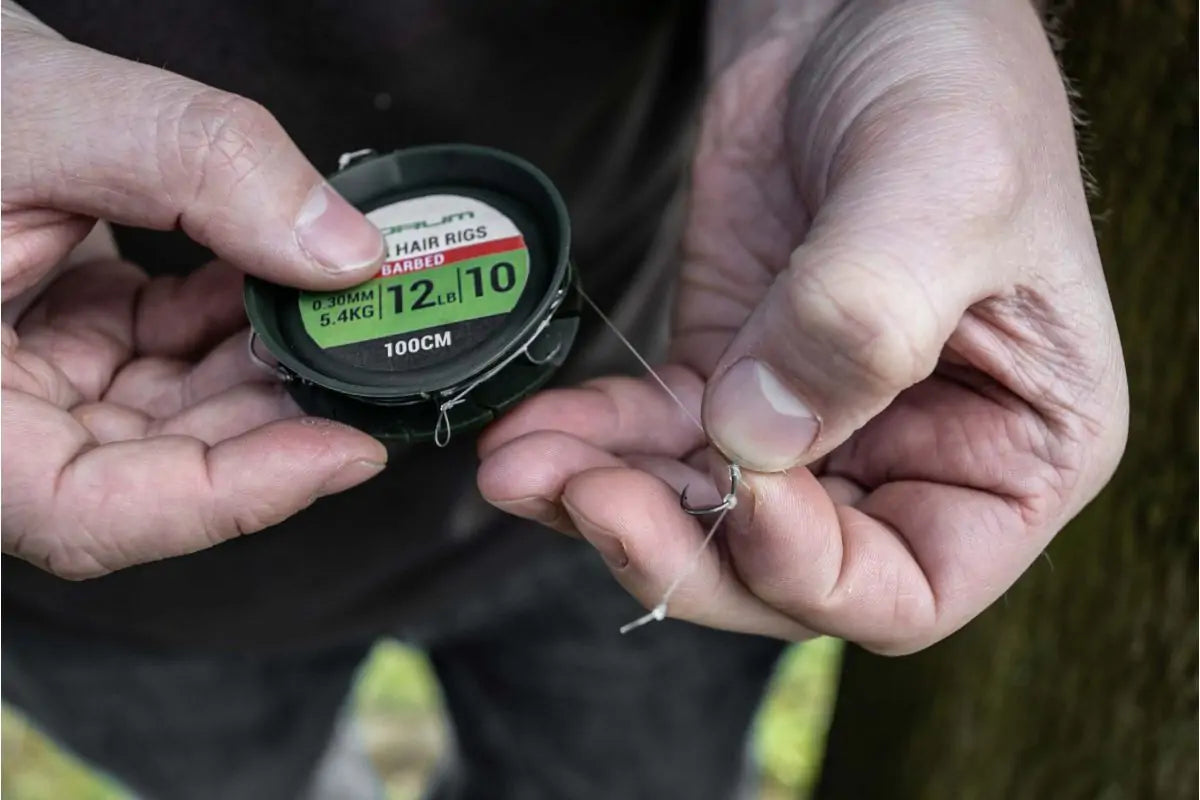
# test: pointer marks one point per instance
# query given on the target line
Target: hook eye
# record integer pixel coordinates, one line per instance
(728, 502)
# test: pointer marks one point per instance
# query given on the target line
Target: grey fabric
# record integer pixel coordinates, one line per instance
(545, 700)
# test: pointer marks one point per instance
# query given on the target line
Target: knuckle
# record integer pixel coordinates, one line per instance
(223, 139)
(878, 332)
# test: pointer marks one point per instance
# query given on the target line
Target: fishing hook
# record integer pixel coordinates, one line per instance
(728, 502)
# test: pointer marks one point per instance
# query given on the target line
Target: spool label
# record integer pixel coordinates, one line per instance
(455, 266)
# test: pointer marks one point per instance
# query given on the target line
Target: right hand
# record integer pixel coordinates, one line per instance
(134, 426)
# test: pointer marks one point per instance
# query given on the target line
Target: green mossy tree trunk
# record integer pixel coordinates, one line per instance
(1081, 683)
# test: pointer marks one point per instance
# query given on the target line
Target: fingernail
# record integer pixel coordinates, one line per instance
(756, 420)
(349, 475)
(609, 547)
(335, 233)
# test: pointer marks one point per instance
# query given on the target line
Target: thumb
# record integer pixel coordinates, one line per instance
(861, 313)
(99, 136)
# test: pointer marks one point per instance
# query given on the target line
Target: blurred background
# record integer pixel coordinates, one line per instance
(1082, 681)
(397, 703)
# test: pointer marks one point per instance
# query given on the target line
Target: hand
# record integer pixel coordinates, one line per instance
(134, 425)
(890, 308)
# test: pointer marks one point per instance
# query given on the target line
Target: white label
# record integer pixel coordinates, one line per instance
(430, 231)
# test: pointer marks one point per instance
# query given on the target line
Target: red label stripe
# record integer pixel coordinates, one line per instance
(407, 264)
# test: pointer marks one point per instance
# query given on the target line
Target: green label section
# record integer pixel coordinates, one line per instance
(399, 304)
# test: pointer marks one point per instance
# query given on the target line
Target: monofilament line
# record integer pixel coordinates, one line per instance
(629, 345)
(659, 612)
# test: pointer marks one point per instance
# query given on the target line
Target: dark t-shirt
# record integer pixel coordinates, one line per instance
(598, 93)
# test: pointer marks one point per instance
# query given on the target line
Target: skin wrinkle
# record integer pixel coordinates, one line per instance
(123, 346)
(49, 380)
(876, 349)
(741, 307)
(73, 550)
(767, 255)
(720, 245)
(1038, 385)
(927, 587)
(726, 263)
(230, 127)
(810, 80)
(999, 476)
(911, 608)
(60, 343)
(739, 147)
(212, 520)
(1008, 483)
(181, 162)
(860, 64)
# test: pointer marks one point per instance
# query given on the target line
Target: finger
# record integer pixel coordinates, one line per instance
(109, 422)
(83, 323)
(38, 244)
(93, 319)
(229, 414)
(80, 510)
(26, 372)
(162, 152)
(904, 566)
(649, 543)
(228, 365)
(903, 244)
(691, 478)
(621, 415)
(164, 387)
(526, 476)
(184, 316)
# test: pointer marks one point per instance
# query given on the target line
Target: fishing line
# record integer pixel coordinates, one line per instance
(659, 612)
(641, 360)
(728, 502)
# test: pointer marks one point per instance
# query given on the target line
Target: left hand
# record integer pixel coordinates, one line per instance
(890, 308)
(137, 428)
(135, 425)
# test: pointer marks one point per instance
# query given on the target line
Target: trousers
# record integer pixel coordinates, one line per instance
(544, 699)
